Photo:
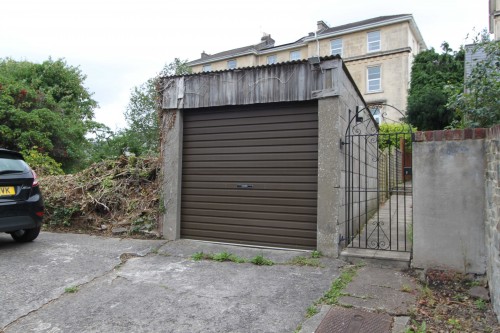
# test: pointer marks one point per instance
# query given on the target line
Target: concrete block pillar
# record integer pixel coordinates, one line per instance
(171, 149)
(330, 161)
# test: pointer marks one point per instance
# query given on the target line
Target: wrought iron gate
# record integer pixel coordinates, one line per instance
(378, 190)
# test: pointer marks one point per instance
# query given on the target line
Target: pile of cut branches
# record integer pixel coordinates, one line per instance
(112, 197)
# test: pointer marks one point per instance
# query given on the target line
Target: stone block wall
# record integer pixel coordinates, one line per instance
(492, 214)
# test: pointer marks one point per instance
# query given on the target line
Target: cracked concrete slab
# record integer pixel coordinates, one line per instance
(36, 273)
(172, 293)
(379, 289)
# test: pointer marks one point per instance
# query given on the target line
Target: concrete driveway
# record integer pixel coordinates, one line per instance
(126, 285)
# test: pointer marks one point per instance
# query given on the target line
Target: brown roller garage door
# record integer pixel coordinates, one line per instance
(250, 175)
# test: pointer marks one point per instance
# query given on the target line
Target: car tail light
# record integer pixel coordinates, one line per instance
(35, 179)
(39, 214)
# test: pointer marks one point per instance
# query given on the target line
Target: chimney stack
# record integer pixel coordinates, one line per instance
(265, 41)
(266, 38)
(321, 26)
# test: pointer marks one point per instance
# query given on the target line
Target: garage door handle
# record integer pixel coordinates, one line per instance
(244, 186)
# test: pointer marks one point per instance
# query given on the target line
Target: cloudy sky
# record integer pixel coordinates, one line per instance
(119, 44)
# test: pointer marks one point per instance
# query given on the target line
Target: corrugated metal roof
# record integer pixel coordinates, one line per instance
(287, 63)
(261, 66)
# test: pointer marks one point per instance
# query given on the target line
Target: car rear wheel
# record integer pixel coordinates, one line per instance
(25, 235)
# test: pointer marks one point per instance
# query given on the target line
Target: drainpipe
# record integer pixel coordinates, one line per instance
(317, 43)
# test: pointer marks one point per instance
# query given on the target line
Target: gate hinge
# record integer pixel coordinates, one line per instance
(341, 239)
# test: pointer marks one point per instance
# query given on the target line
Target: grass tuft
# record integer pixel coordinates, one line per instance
(311, 311)
(339, 284)
(303, 261)
(316, 254)
(261, 261)
(220, 257)
(71, 290)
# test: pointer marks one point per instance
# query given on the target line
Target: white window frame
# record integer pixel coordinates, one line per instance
(231, 64)
(272, 59)
(337, 49)
(207, 68)
(376, 113)
(374, 42)
(371, 80)
(295, 55)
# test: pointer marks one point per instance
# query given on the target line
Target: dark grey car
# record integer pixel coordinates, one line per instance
(21, 202)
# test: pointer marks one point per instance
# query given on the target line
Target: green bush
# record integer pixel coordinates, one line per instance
(42, 163)
(390, 134)
(61, 216)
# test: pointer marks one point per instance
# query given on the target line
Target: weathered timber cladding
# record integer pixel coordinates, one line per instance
(249, 175)
(295, 81)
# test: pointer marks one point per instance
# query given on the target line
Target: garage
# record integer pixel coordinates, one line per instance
(255, 155)
(249, 174)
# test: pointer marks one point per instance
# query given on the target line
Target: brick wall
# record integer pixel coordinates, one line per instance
(451, 135)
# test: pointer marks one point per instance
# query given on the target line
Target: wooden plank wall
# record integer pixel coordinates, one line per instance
(293, 81)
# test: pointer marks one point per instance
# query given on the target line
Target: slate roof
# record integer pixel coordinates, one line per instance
(255, 49)
(239, 50)
(362, 23)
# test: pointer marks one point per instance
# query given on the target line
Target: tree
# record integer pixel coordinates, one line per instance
(176, 67)
(142, 110)
(142, 134)
(45, 106)
(431, 74)
(477, 103)
(428, 110)
(106, 144)
(141, 116)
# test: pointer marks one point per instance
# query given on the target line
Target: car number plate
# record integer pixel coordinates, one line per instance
(7, 191)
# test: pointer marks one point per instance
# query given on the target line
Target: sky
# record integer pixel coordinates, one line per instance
(120, 44)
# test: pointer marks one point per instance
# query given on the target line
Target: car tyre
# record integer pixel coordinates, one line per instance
(26, 235)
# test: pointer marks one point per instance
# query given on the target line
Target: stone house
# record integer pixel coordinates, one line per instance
(378, 53)
(495, 18)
